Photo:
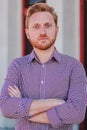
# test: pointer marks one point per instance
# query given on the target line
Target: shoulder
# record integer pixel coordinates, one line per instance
(70, 60)
(21, 61)
(74, 65)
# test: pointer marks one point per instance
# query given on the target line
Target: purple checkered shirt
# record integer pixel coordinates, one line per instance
(62, 77)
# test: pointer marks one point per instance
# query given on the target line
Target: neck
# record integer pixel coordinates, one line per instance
(44, 55)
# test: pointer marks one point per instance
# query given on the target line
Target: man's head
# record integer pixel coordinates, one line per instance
(40, 7)
(41, 26)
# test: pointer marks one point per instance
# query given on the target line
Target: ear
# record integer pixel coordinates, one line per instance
(57, 29)
(27, 33)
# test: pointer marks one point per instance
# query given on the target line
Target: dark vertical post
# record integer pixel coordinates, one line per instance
(83, 45)
(85, 34)
(85, 48)
(82, 31)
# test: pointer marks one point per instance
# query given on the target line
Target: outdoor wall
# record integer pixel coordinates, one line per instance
(10, 42)
(68, 41)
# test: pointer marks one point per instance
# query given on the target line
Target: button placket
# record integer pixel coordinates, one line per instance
(42, 82)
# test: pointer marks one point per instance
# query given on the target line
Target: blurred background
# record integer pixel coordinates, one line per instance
(71, 40)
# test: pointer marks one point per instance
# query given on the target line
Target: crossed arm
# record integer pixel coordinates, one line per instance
(38, 108)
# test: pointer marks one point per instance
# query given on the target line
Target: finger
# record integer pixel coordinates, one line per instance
(12, 89)
(18, 91)
(11, 92)
(15, 91)
(16, 88)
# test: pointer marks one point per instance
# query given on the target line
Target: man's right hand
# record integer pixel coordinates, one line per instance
(13, 91)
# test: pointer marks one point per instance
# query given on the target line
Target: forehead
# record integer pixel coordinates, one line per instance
(41, 17)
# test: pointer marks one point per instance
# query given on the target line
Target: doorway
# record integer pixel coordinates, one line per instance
(83, 36)
(85, 48)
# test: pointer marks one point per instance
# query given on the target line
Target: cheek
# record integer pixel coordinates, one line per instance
(52, 34)
(33, 33)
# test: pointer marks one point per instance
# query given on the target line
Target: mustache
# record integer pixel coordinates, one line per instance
(43, 36)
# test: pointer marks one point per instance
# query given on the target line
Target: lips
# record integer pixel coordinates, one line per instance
(43, 38)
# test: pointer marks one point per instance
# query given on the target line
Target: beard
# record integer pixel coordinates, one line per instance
(43, 44)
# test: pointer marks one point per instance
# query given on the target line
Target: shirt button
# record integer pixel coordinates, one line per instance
(42, 82)
(42, 65)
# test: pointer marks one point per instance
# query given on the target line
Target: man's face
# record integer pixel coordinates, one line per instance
(42, 30)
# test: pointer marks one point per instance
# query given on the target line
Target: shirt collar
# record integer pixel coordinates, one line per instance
(31, 56)
(56, 56)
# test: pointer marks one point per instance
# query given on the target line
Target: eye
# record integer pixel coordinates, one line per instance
(36, 26)
(48, 25)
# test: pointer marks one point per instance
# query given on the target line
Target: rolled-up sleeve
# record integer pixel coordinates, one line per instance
(13, 107)
(73, 110)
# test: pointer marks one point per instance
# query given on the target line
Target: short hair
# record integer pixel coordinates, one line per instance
(40, 7)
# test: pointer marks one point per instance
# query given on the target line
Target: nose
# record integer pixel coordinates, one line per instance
(42, 30)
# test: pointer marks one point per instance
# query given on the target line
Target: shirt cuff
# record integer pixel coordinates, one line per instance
(23, 108)
(53, 118)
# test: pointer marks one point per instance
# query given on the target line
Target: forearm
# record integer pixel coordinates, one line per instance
(15, 108)
(40, 118)
(39, 106)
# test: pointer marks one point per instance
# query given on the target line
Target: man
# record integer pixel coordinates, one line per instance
(46, 89)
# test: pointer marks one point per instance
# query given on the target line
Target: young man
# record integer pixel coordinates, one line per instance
(44, 90)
